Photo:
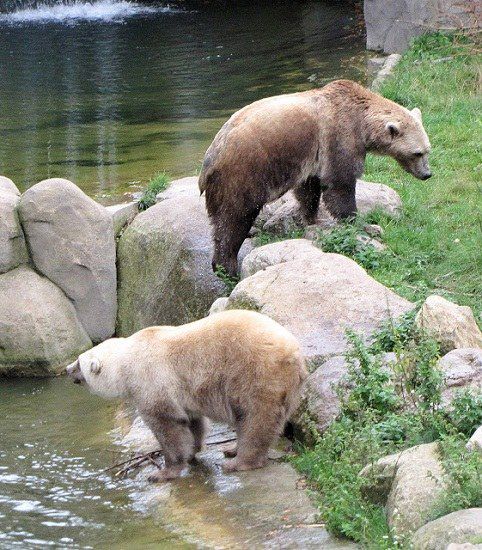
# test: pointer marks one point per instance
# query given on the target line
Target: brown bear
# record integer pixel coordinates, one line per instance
(239, 367)
(312, 142)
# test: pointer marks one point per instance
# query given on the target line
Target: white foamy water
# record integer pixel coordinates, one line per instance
(76, 12)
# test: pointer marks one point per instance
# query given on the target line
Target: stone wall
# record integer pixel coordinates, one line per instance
(391, 24)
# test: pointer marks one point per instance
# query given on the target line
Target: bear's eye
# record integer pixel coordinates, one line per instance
(418, 154)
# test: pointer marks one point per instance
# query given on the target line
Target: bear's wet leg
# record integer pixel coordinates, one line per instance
(308, 195)
(177, 443)
(256, 433)
(230, 231)
(340, 200)
(198, 427)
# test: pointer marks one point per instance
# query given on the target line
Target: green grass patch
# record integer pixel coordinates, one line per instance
(436, 244)
(157, 184)
(387, 410)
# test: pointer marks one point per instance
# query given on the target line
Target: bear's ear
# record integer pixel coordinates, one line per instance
(95, 366)
(417, 113)
(393, 127)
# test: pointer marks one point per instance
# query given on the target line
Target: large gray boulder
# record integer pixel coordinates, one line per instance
(164, 263)
(463, 526)
(408, 484)
(461, 369)
(317, 298)
(7, 185)
(39, 329)
(391, 24)
(71, 240)
(13, 250)
(283, 214)
(453, 326)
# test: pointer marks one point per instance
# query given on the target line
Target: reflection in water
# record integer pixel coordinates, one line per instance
(107, 103)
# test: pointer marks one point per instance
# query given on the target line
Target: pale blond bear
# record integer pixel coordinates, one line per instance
(238, 367)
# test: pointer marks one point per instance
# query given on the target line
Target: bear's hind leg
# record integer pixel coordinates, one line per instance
(256, 433)
(308, 195)
(230, 231)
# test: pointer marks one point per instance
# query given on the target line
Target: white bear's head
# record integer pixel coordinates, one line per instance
(101, 369)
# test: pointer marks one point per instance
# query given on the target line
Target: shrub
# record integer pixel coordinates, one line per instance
(157, 184)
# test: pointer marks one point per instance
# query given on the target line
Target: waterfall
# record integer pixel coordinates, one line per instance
(21, 12)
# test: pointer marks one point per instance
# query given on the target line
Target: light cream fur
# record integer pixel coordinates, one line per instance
(238, 367)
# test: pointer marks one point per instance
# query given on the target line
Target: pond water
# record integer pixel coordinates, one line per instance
(55, 441)
(109, 92)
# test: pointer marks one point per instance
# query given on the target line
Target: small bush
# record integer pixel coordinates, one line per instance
(343, 239)
(157, 184)
(229, 281)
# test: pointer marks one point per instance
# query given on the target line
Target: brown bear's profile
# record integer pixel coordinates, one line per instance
(238, 367)
(312, 142)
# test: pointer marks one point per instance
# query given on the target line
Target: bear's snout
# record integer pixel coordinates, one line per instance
(74, 372)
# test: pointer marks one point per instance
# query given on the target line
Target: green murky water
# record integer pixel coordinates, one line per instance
(55, 441)
(110, 94)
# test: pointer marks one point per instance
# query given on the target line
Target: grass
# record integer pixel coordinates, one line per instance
(383, 412)
(436, 245)
(157, 184)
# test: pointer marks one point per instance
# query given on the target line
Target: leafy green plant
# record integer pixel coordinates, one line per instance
(157, 184)
(267, 237)
(345, 239)
(465, 413)
(229, 281)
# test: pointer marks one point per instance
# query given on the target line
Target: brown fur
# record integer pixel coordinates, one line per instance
(313, 142)
(238, 367)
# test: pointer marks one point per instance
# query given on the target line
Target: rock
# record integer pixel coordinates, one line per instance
(386, 70)
(282, 215)
(265, 508)
(13, 250)
(391, 24)
(39, 329)
(71, 241)
(369, 241)
(277, 253)
(461, 368)
(461, 527)
(317, 298)
(218, 305)
(164, 263)
(178, 189)
(122, 215)
(475, 442)
(377, 196)
(373, 230)
(320, 404)
(409, 483)
(451, 325)
(7, 186)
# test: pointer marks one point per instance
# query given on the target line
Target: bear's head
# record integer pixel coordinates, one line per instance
(403, 137)
(101, 369)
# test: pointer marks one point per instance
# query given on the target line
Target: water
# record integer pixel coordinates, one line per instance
(55, 442)
(107, 93)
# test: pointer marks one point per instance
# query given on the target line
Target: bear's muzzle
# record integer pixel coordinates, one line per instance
(74, 372)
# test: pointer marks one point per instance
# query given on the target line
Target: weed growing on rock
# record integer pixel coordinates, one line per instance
(349, 239)
(157, 184)
(267, 237)
(229, 281)
(390, 406)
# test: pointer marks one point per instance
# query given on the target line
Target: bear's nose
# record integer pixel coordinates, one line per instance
(427, 175)
(74, 372)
